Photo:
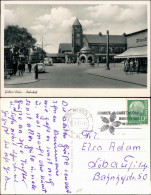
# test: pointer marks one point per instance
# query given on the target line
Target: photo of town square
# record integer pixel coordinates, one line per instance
(75, 45)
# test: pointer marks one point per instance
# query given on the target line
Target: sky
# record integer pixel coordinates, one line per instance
(54, 22)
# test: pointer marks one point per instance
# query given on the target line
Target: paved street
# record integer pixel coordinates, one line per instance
(73, 76)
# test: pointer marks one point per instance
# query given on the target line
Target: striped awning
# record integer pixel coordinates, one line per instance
(137, 52)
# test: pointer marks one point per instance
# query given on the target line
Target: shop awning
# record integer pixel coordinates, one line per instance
(137, 52)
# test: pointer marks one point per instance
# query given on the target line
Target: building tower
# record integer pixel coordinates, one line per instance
(77, 36)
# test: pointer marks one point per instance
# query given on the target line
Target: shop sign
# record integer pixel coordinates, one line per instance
(137, 40)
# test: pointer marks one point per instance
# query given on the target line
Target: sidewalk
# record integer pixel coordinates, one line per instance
(117, 73)
(23, 79)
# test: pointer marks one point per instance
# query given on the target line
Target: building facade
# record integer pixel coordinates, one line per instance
(91, 47)
(65, 48)
(136, 48)
(77, 37)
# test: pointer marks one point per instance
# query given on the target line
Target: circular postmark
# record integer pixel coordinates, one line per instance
(78, 120)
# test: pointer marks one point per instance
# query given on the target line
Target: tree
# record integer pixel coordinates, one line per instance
(14, 36)
(41, 53)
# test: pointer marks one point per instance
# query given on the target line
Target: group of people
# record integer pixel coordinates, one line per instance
(130, 65)
(71, 61)
(20, 66)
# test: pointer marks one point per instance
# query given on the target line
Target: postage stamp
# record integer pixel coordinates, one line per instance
(137, 111)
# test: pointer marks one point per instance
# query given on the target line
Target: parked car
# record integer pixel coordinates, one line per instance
(48, 61)
(41, 67)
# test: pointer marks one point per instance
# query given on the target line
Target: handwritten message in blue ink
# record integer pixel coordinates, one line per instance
(70, 146)
(36, 150)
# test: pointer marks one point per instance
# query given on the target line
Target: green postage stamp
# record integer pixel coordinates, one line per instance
(137, 111)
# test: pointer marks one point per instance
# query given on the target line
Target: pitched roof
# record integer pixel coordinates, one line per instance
(76, 22)
(86, 48)
(117, 39)
(134, 33)
(65, 46)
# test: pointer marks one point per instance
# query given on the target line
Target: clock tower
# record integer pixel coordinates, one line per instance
(77, 36)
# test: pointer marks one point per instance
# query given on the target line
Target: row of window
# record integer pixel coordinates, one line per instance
(97, 49)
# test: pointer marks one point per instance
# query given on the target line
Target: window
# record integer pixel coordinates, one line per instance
(95, 48)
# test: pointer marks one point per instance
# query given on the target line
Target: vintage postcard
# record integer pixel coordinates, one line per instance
(75, 48)
(75, 146)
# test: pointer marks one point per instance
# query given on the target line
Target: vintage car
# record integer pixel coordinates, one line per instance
(41, 67)
(48, 61)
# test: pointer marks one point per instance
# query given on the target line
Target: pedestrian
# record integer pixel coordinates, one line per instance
(134, 65)
(23, 66)
(20, 69)
(36, 71)
(137, 66)
(14, 67)
(98, 62)
(92, 64)
(127, 66)
(131, 66)
(29, 66)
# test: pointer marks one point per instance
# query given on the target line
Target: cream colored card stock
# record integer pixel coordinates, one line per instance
(76, 146)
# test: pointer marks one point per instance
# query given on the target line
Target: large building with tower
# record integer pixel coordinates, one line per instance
(91, 47)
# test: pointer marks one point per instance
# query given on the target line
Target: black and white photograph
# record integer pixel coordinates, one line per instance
(76, 45)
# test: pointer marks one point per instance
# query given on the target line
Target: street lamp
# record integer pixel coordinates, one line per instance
(43, 47)
(42, 39)
(107, 53)
(43, 50)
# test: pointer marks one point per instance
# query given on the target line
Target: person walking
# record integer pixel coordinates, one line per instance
(137, 66)
(131, 66)
(127, 66)
(29, 67)
(20, 69)
(134, 65)
(23, 66)
(78, 62)
(14, 67)
(98, 62)
(36, 71)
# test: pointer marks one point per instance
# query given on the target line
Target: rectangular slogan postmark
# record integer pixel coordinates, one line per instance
(137, 111)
